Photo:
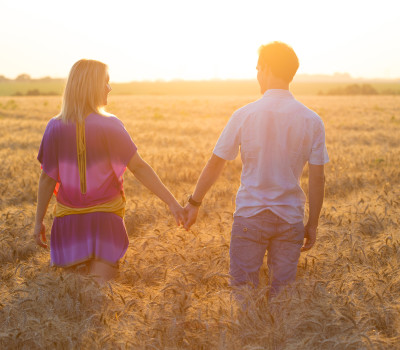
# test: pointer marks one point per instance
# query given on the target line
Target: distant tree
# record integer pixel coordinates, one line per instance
(3, 78)
(51, 93)
(367, 89)
(23, 77)
(34, 92)
(391, 92)
(354, 89)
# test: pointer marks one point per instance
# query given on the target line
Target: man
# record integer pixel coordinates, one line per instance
(276, 135)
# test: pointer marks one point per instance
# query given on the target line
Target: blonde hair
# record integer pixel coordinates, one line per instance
(84, 91)
(84, 94)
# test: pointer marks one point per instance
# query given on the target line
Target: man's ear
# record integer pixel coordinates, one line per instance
(265, 69)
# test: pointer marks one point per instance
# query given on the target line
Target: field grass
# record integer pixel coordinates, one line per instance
(172, 291)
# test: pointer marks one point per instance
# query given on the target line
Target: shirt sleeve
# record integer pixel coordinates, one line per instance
(228, 143)
(48, 152)
(319, 153)
(120, 146)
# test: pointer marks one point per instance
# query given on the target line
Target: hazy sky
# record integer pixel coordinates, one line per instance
(171, 39)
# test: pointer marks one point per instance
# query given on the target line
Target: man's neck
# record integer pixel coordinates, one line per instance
(277, 84)
(273, 82)
(281, 87)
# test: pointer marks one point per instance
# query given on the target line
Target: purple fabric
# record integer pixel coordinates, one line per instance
(78, 238)
(75, 238)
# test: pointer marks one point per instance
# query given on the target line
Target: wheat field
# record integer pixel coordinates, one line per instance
(172, 291)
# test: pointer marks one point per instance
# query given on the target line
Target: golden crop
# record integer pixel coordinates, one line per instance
(172, 291)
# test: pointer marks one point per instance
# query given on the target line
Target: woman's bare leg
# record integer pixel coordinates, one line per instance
(102, 271)
(80, 269)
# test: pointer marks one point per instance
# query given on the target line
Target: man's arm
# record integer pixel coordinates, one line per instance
(316, 185)
(207, 178)
(45, 191)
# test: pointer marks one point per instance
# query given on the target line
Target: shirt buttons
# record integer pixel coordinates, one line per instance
(244, 229)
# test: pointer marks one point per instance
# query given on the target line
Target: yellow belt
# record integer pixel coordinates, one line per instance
(116, 206)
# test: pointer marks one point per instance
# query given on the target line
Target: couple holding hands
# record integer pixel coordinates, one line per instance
(85, 151)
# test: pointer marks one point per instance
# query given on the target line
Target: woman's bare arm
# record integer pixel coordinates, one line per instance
(45, 191)
(147, 176)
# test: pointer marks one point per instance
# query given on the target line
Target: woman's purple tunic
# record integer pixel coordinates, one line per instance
(80, 237)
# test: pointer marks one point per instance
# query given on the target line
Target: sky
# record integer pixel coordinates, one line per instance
(195, 40)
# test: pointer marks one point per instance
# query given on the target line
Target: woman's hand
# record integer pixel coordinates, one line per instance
(190, 215)
(178, 212)
(39, 234)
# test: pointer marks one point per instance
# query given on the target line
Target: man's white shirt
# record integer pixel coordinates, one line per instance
(277, 135)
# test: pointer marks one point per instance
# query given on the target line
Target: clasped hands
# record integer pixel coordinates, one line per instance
(185, 216)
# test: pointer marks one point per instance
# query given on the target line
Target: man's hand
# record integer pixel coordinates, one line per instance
(39, 234)
(310, 237)
(191, 215)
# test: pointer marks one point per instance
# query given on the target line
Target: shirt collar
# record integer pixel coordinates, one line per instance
(278, 93)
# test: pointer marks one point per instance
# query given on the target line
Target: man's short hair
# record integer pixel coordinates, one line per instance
(280, 58)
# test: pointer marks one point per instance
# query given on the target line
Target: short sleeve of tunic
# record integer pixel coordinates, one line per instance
(319, 153)
(228, 143)
(47, 155)
(120, 146)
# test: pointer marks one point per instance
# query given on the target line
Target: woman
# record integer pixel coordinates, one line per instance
(84, 153)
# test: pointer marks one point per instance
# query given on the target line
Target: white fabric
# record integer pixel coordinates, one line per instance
(277, 136)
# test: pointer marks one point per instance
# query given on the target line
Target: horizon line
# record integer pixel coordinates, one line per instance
(338, 77)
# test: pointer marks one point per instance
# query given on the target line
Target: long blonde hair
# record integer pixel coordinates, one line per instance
(84, 94)
(84, 91)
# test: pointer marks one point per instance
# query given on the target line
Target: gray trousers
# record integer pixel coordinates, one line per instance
(252, 237)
